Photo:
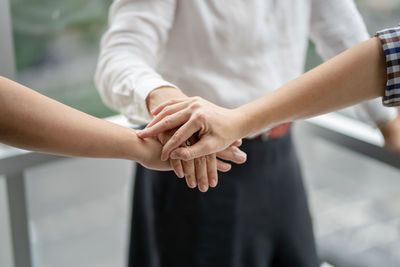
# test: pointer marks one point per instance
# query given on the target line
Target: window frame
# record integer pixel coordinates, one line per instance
(7, 57)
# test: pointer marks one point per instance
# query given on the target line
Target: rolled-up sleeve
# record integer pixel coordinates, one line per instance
(129, 52)
(336, 26)
(390, 39)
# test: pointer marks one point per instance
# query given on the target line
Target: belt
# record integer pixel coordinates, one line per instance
(274, 133)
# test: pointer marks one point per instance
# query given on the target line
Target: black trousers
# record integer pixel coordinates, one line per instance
(257, 216)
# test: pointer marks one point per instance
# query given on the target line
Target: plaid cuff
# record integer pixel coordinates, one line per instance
(390, 39)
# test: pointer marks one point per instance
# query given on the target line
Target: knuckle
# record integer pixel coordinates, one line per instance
(194, 106)
(167, 121)
(166, 109)
(174, 139)
(186, 154)
(202, 178)
(189, 154)
(201, 116)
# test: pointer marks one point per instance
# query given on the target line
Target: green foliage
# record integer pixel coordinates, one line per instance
(38, 22)
(82, 96)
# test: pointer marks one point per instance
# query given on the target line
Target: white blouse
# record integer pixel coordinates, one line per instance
(227, 51)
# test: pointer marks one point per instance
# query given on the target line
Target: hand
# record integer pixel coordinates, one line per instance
(162, 94)
(391, 134)
(203, 171)
(216, 127)
(150, 155)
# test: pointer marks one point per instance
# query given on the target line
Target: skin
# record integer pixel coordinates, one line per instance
(200, 171)
(356, 75)
(29, 120)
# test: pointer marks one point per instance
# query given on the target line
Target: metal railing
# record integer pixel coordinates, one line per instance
(13, 163)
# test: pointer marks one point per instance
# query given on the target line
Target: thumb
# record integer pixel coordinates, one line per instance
(201, 148)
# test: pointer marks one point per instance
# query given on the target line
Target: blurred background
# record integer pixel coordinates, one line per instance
(79, 209)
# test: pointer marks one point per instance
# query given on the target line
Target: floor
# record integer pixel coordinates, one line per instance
(356, 204)
(79, 216)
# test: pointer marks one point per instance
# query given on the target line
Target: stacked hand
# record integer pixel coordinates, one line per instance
(213, 126)
(199, 171)
(202, 171)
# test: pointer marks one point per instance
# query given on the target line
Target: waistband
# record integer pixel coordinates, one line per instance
(276, 132)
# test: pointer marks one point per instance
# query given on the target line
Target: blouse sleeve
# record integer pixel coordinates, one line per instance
(390, 39)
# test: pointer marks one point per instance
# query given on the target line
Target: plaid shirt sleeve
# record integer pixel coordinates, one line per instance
(390, 39)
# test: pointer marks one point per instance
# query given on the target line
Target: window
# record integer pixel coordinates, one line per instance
(56, 47)
(376, 14)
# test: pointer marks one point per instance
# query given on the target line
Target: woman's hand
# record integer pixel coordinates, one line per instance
(198, 172)
(201, 172)
(217, 128)
(150, 157)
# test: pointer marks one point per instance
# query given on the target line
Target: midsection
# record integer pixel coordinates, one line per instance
(232, 52)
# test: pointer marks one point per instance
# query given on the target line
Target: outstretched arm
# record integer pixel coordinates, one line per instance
(356, 75)
(32, 121)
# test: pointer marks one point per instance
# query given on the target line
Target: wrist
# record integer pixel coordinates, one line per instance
(241, 123)
(162, 94)
(131, 146)
(252, 119)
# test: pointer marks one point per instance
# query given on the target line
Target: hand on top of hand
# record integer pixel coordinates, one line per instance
(215, 128)
(200, 168)
(202, 171)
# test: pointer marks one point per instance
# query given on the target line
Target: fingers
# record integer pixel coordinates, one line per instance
(201, 173)
(178, 168)
(167, 123)
(179, 137)
(223, 166)
(198, 173)
(212, 173)
(237, 143)
(233, 154)
(202, 148)
(169, 110)
(160, 107)
(190, 175)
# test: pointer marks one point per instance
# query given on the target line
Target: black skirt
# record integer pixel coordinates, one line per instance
(257, 216)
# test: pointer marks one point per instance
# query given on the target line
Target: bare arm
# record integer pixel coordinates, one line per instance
(356, 75)
(32, 121)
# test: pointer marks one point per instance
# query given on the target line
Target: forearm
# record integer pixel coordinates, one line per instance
(32, 121)
(356, 75)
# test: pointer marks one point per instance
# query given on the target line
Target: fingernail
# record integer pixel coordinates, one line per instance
(240, 155)
(179, 174)
(203, 188)
(192, 184)
(213, 183)
(226, 167)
